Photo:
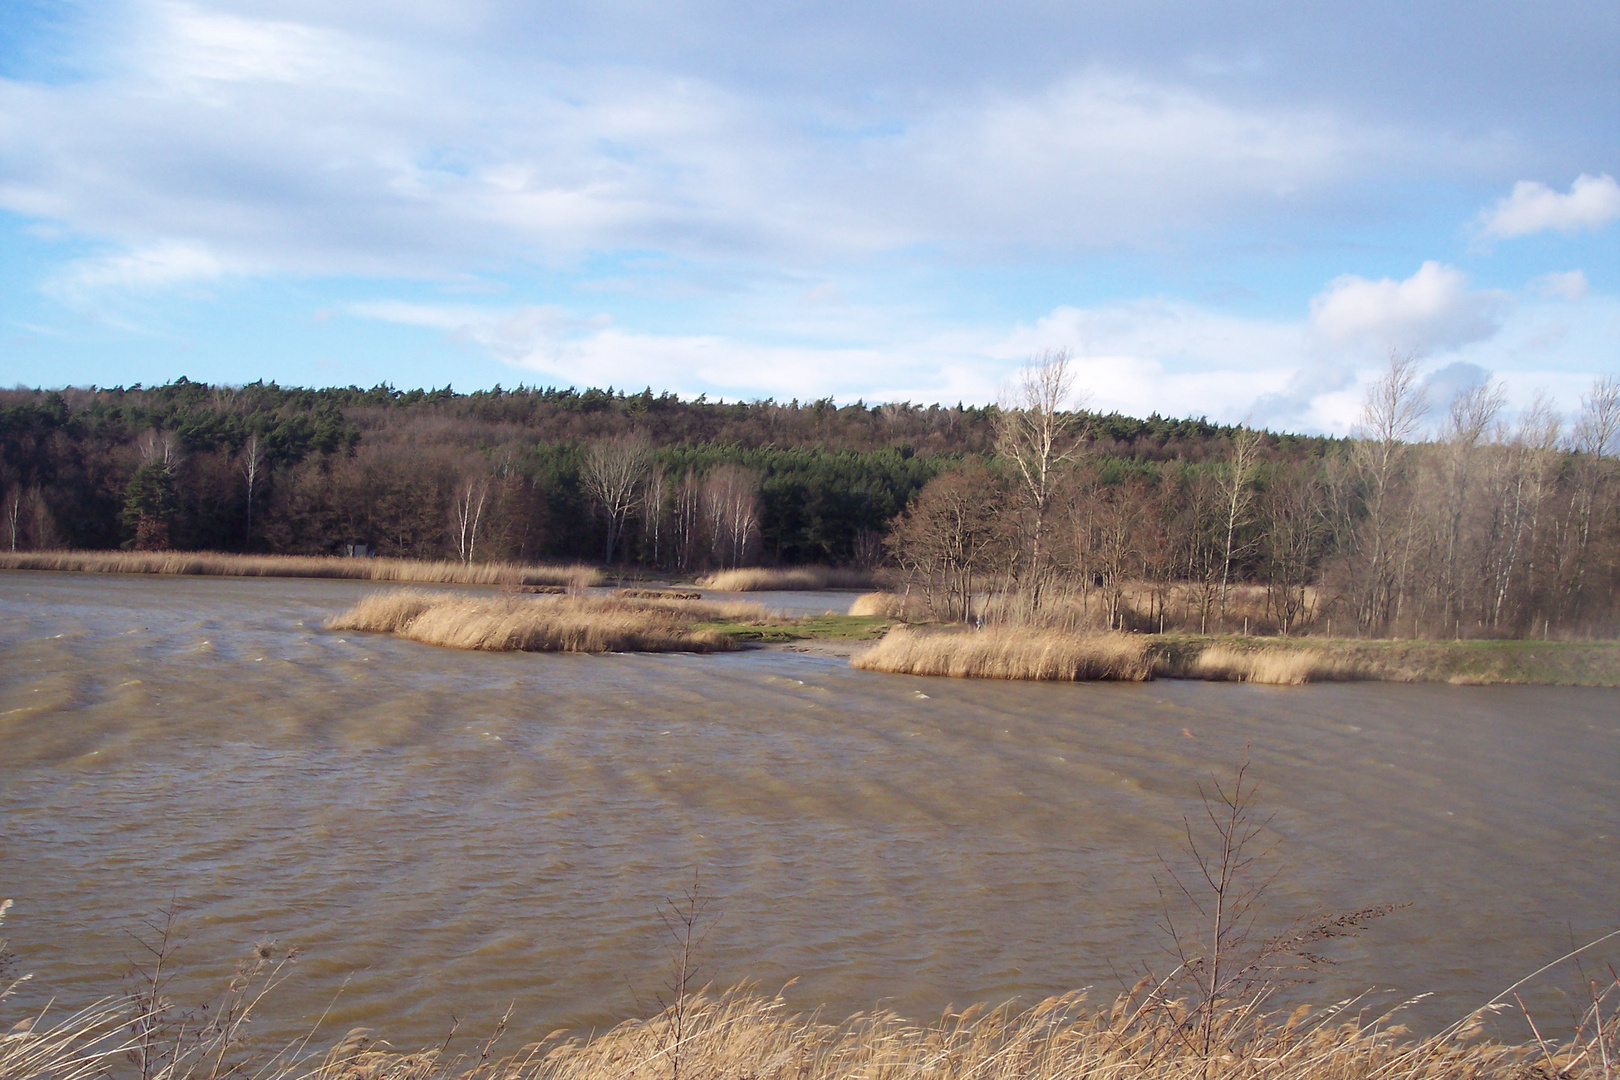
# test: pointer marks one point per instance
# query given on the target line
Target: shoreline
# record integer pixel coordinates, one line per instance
(1031, 654)
(1174, 655)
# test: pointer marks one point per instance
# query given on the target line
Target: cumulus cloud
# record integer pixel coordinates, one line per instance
(1431, 311)
(1591, 203)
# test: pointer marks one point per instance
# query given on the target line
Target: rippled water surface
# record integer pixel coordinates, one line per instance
(446, 833)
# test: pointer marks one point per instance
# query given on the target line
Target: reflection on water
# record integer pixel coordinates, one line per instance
(444, 832)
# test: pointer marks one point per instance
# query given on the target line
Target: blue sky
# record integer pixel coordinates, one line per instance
(1229, 210)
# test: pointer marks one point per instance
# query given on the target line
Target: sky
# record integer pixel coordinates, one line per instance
(1237, 211)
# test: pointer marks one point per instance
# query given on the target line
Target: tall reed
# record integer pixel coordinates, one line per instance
(1138, 1036)
(535, 624)
(1276, 667)
(1009, 652)
(440, 572)
(890, 605)
(765, 579)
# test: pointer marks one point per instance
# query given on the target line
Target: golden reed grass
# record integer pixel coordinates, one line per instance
(889, 605)
(740, 1036)
(1218, 663)
(441, 572)
(793, 578)
(1009, 652)
(537, 624)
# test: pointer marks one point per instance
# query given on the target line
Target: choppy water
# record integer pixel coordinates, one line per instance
(446, 833)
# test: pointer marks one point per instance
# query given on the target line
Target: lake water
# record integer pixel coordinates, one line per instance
(446, 833)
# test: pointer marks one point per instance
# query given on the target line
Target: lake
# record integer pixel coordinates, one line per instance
(445, 833)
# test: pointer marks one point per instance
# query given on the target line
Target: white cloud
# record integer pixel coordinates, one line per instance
(1106, 159)
(1569, 285)
(1592, 202)
(1431, 311)
(297, 147)
(147, 267)
(191, 43)
(1137, 357)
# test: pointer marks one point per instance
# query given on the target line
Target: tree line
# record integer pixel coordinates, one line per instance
(1487, 529)
(1028, 510)
(523, 474)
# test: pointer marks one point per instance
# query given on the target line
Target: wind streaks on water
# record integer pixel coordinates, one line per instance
(446, 831)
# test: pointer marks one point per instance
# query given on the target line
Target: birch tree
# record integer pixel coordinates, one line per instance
(252, 462)
(467, 513)
(1037, 437)
(1597, 436)
(1390, 415)
(1237, 495)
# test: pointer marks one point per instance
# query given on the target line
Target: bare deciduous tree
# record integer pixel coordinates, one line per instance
(1597, 435)
(158, 447)
(731, 510)
(612, 473)
(1468, 422)
(1237, 495)
(686, 521)
(468, 512)
(1390, 416)
(950, 538)
(252, 462)
(14, 514)
(1036, 435)
(653, 498)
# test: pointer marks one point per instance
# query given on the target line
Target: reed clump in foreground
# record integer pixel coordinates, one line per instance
(542, 623)
(1139, 1036)
(441, 572)
(782, 579)
(1010, 652)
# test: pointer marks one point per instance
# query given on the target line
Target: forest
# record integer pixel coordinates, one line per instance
(1433, 519)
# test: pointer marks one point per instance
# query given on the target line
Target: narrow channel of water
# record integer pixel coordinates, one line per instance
(446, 833)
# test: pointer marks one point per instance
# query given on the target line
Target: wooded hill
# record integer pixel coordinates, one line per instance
(1484, 529)
(384, 467)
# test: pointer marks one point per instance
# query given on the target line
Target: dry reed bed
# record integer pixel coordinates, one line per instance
(1010, 652)
(303, 566)
(736, 1035)
(794, 578)
(543, 624)
(889, 605)
(1291, 661)
(1275, 667)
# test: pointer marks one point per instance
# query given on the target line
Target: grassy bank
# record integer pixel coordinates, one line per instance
(1011, 652)
(301, 566)
(542, 623)
(786, 579)
(841, 628)
(1474, 663)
